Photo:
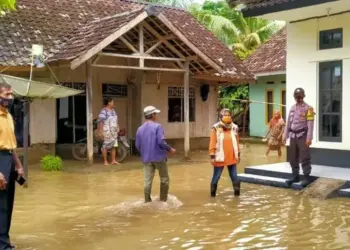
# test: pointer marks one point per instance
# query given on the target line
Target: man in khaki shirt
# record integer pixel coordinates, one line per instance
(9, 164)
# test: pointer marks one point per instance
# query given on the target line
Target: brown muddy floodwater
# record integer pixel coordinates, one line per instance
(105, 210)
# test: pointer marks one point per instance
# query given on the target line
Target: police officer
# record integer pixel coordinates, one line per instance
(9, 164)
(299, 129)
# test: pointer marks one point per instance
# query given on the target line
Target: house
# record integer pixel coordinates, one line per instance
(318, 50)
(136, 53)
(268, 64)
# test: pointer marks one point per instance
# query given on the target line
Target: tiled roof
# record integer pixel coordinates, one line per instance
(65, 27)
(205, 41)
(91, 34)
(270, 56)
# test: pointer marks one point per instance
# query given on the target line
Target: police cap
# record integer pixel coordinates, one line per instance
(299, 92)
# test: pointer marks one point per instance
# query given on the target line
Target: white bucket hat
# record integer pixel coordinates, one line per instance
(150, 110)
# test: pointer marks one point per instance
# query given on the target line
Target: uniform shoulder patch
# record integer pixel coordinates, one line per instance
(310, 116)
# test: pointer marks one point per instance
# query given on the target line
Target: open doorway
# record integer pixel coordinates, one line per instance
(18, 118)
(71, 116)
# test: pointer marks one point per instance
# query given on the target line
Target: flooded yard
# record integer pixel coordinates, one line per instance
(105, 210)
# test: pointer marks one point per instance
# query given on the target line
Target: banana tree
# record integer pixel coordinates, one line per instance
(7, 5)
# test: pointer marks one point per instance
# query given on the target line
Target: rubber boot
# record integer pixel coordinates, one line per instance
(306, 180)
(213, 188)
(237, 188)
(148, 198)
(292, 180)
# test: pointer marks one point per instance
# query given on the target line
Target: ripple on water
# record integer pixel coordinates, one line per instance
(128, 208)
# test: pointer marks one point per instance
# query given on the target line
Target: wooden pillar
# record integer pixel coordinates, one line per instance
(25, 140)
(89, 114)
(130, 112)
(141, 45)
(187, 108)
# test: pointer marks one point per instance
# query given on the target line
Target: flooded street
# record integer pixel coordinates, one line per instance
(105, 210)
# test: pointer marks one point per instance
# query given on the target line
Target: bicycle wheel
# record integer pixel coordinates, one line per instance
(79, 151)
(122, 152)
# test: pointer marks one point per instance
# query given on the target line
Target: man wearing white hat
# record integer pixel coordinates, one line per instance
(154, 151)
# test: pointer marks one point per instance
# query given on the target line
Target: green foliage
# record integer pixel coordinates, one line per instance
(242, 35)
(7, 4)
(51, 163)
(230, 96)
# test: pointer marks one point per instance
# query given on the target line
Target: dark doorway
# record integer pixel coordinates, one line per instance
(71, 115)
(18, 117)
(283, 97)
(71, 119)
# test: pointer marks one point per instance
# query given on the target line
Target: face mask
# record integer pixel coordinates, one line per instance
(227, 119)
(5, 102)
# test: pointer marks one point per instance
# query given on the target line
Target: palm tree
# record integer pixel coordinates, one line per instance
(242, 35)
(7, 4)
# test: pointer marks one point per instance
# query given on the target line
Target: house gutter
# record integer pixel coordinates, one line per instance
(259, 11)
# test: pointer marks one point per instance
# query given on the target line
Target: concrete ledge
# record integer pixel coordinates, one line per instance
(263, 180)
(283, 170)
(344, 192)
(267, 180)
(276, 175)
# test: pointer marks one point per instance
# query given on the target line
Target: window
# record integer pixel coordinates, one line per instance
(283, 102)
(269, 107)
(176, 104)
(330, 101)
(330, 39)
(114, 90)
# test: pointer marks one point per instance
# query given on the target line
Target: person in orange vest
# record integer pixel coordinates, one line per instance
(224, 151)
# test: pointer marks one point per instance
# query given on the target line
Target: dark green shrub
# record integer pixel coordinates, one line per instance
(51, 163)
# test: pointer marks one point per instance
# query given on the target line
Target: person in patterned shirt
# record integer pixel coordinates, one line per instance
(108, 129)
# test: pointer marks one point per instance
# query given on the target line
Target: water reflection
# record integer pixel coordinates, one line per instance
(105, 211)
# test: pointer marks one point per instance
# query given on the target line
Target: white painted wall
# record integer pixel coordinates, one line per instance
(303, 57)
(205, 111)
(43, 112)
(43, 121)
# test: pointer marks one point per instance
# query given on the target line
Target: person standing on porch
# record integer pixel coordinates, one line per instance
(224, 151)
(300, 126)
(108, 129)
(154, 150)
(9, 164)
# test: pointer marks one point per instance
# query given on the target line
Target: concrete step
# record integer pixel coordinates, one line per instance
(344, 192)
(267, 180)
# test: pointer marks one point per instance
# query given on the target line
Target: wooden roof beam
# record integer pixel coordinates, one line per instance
(160, 37)
(129, 45)
(139, 68)
(108, 40)
(141, 56)
(177, 33)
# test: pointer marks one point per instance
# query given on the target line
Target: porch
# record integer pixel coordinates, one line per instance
(276, 175)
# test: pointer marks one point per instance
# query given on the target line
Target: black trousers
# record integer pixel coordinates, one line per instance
(7, 196)
(299, 152)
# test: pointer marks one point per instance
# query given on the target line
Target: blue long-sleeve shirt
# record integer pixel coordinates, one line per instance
(150, 142)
